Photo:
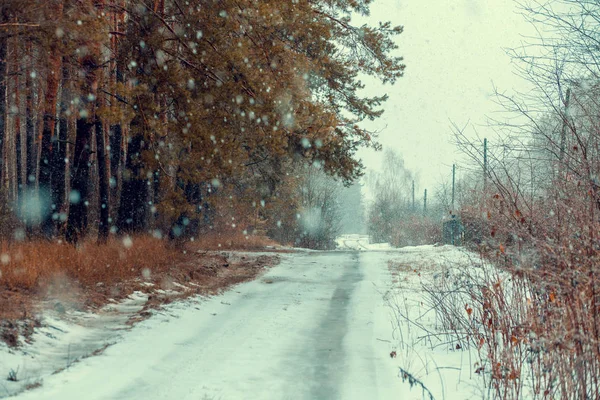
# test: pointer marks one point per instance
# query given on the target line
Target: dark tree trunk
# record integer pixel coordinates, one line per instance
(49, 141)
(134, 196)
(60, 149)
(116, 157)
(30, 133)
(80, 173)
(156, 196)
(47, 150)
(115, 138)
(3, 54)
(77, 222)
(18, 158)
(18, 140)
(103, 189)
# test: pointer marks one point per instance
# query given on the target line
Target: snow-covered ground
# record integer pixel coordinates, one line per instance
(441, 361)
(63, 339)
(321, 325)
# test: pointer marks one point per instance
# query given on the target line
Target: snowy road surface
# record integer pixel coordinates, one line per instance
(314, 327)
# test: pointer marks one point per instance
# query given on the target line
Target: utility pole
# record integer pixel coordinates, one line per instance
(485, 166)
(563, 132)
(452, 215)
(425, 202)
(453, 185)
(413, 203)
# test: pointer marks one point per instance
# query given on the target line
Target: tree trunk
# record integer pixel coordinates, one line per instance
(133, 187)
(77, 221)
(103, 188)
(116, 156)
(60, 148)
(80, 171)
(17, 125)
(10, 160)
(116, 153)
(134, 195)
(29, 130)
(3, 55)
(48, 197)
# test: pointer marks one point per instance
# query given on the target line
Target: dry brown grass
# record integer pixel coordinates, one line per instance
(61, 276)
(31, 265)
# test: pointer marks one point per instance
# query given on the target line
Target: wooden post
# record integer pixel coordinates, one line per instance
(453, 185)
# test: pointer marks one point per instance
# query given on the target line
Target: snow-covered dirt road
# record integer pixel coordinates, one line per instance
(315, 327)
(321, 325)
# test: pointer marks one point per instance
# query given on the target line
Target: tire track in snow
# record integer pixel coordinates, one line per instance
(328, 344)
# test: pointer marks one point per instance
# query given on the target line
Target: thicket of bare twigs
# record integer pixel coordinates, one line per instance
(534, 315)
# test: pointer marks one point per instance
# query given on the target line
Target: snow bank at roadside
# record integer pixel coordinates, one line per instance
(437, 363)
(63, 339)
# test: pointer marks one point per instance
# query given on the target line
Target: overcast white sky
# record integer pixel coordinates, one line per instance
(453, 51)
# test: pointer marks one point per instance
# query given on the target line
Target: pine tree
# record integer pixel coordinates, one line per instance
(190, 103)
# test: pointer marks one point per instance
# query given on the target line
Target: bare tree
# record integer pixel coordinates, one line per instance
(320, 218)
(539, 218)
